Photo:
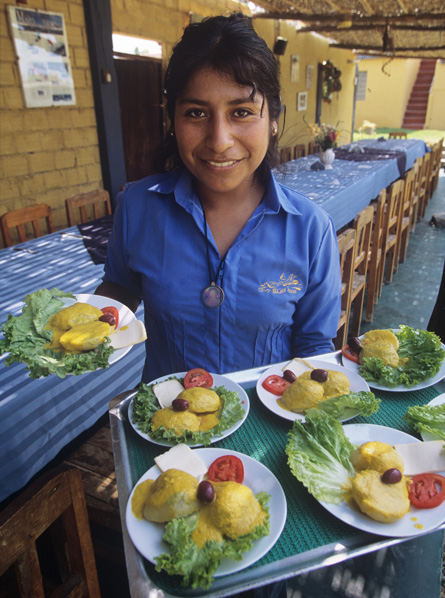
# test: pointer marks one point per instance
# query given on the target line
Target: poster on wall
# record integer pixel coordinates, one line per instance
(309, 76)
(302, 101)
(41, 46)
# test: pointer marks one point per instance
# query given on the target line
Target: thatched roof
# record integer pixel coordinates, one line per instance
(403, 28)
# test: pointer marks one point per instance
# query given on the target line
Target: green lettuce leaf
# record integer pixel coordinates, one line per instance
(25, 338)
(427, 418)
(423, 351)
(364, 402)
(198, 565)
(318, 454)
(145, 404)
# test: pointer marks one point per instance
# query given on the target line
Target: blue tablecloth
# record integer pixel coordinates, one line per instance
(40, 417)
(350, 186)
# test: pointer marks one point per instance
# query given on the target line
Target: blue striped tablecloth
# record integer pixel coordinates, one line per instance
(40, 417)
(350, 186)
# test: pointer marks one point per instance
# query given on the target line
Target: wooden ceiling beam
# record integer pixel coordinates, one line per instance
(361, 47)
(358, 27)
(354, 18)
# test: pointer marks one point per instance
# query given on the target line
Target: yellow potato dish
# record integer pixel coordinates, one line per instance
(77, 328)
(305, 393)
(382, 344)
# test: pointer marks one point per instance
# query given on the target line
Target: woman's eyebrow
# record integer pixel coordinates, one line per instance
(235, 102)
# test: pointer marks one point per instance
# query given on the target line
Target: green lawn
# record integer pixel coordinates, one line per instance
(425, 134)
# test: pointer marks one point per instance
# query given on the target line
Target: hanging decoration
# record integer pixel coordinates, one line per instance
(331, 80)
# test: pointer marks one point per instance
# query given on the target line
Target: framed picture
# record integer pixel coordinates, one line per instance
(302, 101)
(309, 76)
(294, 68)
(41, 46)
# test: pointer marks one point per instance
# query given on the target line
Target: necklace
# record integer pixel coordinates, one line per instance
(212, 295)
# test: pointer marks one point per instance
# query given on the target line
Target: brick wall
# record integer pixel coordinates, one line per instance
(47, 154)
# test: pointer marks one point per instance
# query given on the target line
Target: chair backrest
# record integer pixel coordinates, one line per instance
(406, 209)
(312, 148)
(299, 151)
(392, 212)
(285, 155)
(91, 205)
(397, 135)
(346, 247)
(18, 219)
(55, 501)
(363, 230)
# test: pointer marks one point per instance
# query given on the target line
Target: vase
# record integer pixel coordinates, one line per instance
(327, 157)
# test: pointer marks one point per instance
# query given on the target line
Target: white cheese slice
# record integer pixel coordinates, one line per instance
(167, 391)
(422, 457)
(298, 366)
(182, 457)
(128, 335)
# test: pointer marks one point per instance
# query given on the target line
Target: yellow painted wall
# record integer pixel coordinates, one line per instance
(47, 154)
(311, 50)
(389, 85)
(435, 116)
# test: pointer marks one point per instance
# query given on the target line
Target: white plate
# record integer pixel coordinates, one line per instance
(437, 401)
(125, 316)
(426, 519)
(269, 400)
(353, 367)
(147, 536)
(218, 380)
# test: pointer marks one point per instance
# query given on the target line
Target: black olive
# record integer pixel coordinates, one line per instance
(206, 491)
(109, 319)
(289, 376)
(355, 344)
(319, 375)
(180, 405)
(391, 476)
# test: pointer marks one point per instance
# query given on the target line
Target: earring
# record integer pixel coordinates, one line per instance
(274, 130)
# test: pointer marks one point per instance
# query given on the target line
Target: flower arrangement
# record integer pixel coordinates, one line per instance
(368, 127)
(325, 135)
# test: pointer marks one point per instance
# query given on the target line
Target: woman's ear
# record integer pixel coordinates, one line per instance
(274, 128)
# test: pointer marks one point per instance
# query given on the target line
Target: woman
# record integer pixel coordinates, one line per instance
(235, 270)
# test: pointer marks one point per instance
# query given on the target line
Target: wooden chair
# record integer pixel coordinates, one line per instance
(18, 219)
(391, 228)
(98, 201)
(346, 246)
(415, 202)
(362, 225)
(422, 185)
(397, 135)
(375, 256)
(285, 155)
(312, 148)
(55, 502)
(406, 216)
(299, 151)
(436, 157)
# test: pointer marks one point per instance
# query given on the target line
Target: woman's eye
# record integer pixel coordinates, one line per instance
(195, 113)
(242, 113)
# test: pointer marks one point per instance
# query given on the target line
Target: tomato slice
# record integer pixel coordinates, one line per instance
(198, 377)
(227, 468)
(276, 384)
(349, 354)
(427, 490)
(111, 311)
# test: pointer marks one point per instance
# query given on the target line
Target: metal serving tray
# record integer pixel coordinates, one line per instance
(141, 584)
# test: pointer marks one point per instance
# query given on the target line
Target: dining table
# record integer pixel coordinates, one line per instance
(355, 179)
(312, 537)
(40, 417)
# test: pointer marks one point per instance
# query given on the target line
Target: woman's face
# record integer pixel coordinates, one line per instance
(222, 133)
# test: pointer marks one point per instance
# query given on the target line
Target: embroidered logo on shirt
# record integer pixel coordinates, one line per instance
(289, 284)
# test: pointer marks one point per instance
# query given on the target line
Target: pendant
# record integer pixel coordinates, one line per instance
(212, 296)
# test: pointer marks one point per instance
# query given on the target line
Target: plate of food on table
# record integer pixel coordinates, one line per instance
(399, 360)
(195, 407)
(302, 384)
(374, 478)
(63, 333)
(205, 513)
(428, 420)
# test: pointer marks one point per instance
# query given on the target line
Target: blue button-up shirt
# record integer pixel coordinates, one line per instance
(281, 278)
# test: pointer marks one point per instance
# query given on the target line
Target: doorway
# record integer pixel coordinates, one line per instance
(140, 98)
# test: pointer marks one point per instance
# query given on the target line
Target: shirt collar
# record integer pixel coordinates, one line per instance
(180, 183)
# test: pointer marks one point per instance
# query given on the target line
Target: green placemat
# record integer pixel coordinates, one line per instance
(263, 436)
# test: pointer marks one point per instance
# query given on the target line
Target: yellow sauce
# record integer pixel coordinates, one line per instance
(139, 497)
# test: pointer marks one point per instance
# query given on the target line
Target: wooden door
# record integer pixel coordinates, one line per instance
(140, 97)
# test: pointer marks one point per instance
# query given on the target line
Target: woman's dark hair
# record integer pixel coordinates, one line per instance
(232, 46)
